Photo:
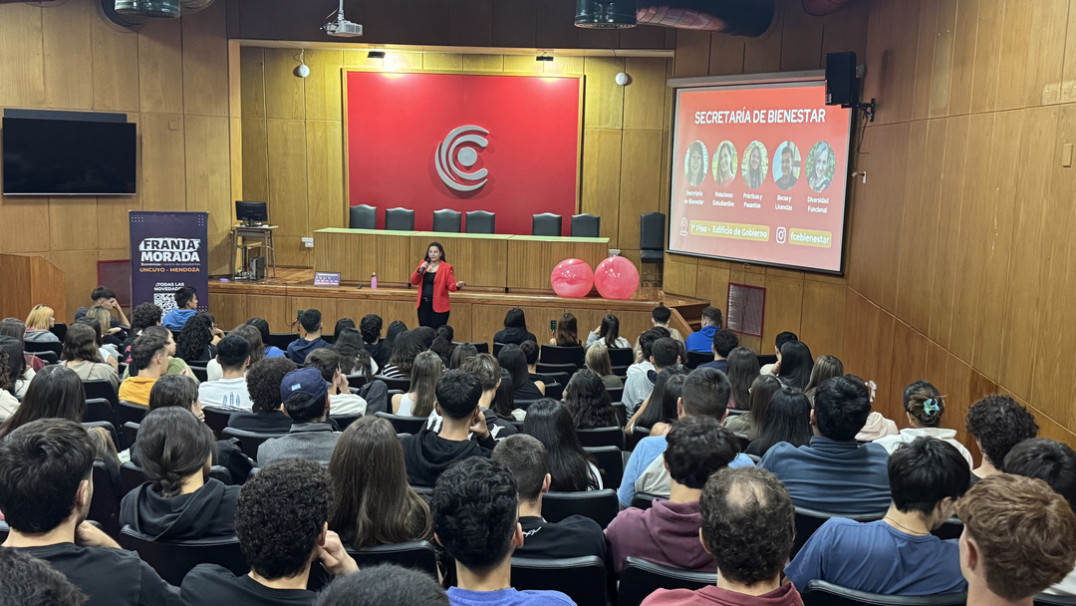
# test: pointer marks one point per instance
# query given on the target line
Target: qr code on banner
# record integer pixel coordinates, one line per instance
(165, 301)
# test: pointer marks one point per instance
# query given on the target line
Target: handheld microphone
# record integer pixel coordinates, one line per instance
(422, 268)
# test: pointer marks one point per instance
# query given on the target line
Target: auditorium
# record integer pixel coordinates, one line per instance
(518, 302)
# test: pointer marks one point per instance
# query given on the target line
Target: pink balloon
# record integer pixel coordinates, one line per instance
(616, 278)
(572, 278)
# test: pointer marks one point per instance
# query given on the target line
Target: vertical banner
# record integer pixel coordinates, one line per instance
(168, 251)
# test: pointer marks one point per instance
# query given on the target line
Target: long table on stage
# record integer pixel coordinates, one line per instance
(484, 261)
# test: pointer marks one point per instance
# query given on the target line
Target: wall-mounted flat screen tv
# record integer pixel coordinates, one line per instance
(51, 157)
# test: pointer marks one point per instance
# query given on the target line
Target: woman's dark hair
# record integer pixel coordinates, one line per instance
(796, 364)
(610, 330)
(353, 355)
(670, 397)
(393, 332)
(253, 337)
(788, 420)
(408, 345)
(55, 392)
(6, 382)
(425, 335)
(196, 336)
(552, 424)
(588, 402)
(567, 334)
(462, 353)
(924, 402)
(504, 400)
(515, 319)
(80, 344)
(96, 326)
(742, 371)
(439, 247)
(263, 327)
(173, 444)
(825, 367)
(372, 502)
(511, 358)
(444, 348)
(654, 409)
(446, 332)
(16, 360)
(13, 327)
(341, 324)
(762, 390)
(173, 390)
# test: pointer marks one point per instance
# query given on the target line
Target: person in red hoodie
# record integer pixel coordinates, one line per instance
(434, 279)
(748, 523)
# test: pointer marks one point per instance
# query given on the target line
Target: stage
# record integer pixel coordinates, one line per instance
(476, 315)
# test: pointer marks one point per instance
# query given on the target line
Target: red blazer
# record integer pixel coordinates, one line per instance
(444, 280)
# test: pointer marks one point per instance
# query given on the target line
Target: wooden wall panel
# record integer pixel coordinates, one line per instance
(68, 56)
(601, 189)
(205, 62)
(160, 76)
(115, 75)
(164, 183)
(21, 48)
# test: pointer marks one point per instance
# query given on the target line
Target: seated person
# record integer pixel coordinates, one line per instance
(142, 317)
(1019, 538)
(370, 327)
(1054, 463)
(515, 328)
(281, 519)
(429, 454)
(149, 356)
(298, 349)
(476, 519)
(574, 536)
(924, 406)
(342, 401)
(724, 342)
(779, 341)
(382, 585)
(306, 401)
(607, 334)
(896, 555)
(705, 394)
(178, 502)
(998, 423)
(104, 297)
(29, 581)
(80, 354)
(39, 323)
(660, 316)
(233, 354)
(512, 359)
(267, 408)
(668, 532)
(660, 353)
(703, 340)
(176, 365)
(271, 351)
(748, 523)
(186, 306)
(834, 473)
(46, 485)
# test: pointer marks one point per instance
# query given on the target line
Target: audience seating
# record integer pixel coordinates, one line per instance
(616, 394)
(402, 384)
(356, 381)
(60, 330)
(552, 377)
(586, 225)
(621, 356)
(362, 216)
(400, 219)
(584, 579)
(342, 421)
(598, 505)
(174, 559)
(602, 436)
(249, 441)
(621, 412)
(40, 347)
(637, 433)
(555, 354)
(809, 520)
(447, 220)
(101, 388)
(481, 222)
(217, 419)
(555, 390)
(639, 578)
(98, 409)
(419, 555)
(402, 424)
(950, 529)
(48, 357)
(1043, 599)
(821, 593)
(131, 477)
(643, 500)
(497, 348)
(105, 505)
(128, 435)
(200, 373)
(281, 340)
(109, 428)
(546, 224)
(129, 412)
(652, 238)
(694, 359)
(610, 460)
(544, 368)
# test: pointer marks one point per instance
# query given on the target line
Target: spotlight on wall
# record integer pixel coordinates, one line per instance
(303, 70)
(375, 54)
(544, 57)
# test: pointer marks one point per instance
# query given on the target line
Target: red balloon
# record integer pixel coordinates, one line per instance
(616, 278)
(572, 278)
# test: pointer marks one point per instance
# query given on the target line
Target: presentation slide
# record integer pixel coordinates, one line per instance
(759, 175)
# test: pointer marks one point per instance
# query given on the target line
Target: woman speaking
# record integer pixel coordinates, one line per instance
(435, 279)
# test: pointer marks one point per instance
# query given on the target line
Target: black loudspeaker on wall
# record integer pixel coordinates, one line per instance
(842, 87)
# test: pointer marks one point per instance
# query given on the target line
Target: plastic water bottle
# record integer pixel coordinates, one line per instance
(373, 280)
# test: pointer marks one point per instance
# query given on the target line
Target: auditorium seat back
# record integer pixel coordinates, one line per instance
(639, 578)
(598, 505)
(610, 460)
(402, 424)
(809, 520)
(174, 559)
(249, 441)
(601, 436)
(821, 593)
(584, 579)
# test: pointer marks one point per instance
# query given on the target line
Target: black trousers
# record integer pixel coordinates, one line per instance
(428, 317)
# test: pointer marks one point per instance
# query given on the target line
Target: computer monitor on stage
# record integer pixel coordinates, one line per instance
(252, 212)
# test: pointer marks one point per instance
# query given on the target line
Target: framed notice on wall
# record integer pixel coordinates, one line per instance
(427, 141)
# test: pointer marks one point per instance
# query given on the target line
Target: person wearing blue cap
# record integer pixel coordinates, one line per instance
(305, 394)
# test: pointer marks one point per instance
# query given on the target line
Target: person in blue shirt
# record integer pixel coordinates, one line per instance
(702, 341)
(834, 473)
(298, 349)
(186, 306)
(896, 555)
(475, 510)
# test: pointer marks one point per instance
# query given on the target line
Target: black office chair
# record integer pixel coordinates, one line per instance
(643, 500)
(402, 424)
(174, 559)
(639, 578)
(546, 224)
(598, 505)
(362, 216)
(555, 354)
(105, 505)
(582, 578)
(821, 593)
(249, 441)
(129, 412)
(610, 460)
(652, 238)
(217, 419)
(586, 226)
(419, 555)
(696, 358)
(481, 222)
(98, 409)
(60, 330)
(400, 219)
(281, 340)
(1043, 599)
(601, 436)
(810, 520)
(41, 347)
(621, 356)
(447, 220)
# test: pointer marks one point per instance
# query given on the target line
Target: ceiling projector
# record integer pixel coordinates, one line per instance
(342, 28)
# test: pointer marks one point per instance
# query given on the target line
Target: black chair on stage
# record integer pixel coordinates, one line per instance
(546, 224)
(586, 225)
(174, 559)
(362, 216)
(400, 219)
(639, 578)
(821, 593)
(555, 354)
(652, 238)
(601, 436)
(402, 424)
(481, 222)
(583, 578)
(598, 505)
(610, 461)
(447, 220)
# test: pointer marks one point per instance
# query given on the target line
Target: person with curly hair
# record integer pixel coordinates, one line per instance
(998, 423)
(281, 520)
(588, 401)
(8, 402)
(195, 343)
(142, 317)
(384, 584)
(29, 581)
(267, 408)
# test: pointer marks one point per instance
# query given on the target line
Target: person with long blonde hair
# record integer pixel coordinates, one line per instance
(38, 325)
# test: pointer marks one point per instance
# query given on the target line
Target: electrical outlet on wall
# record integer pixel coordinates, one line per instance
(308, 243)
